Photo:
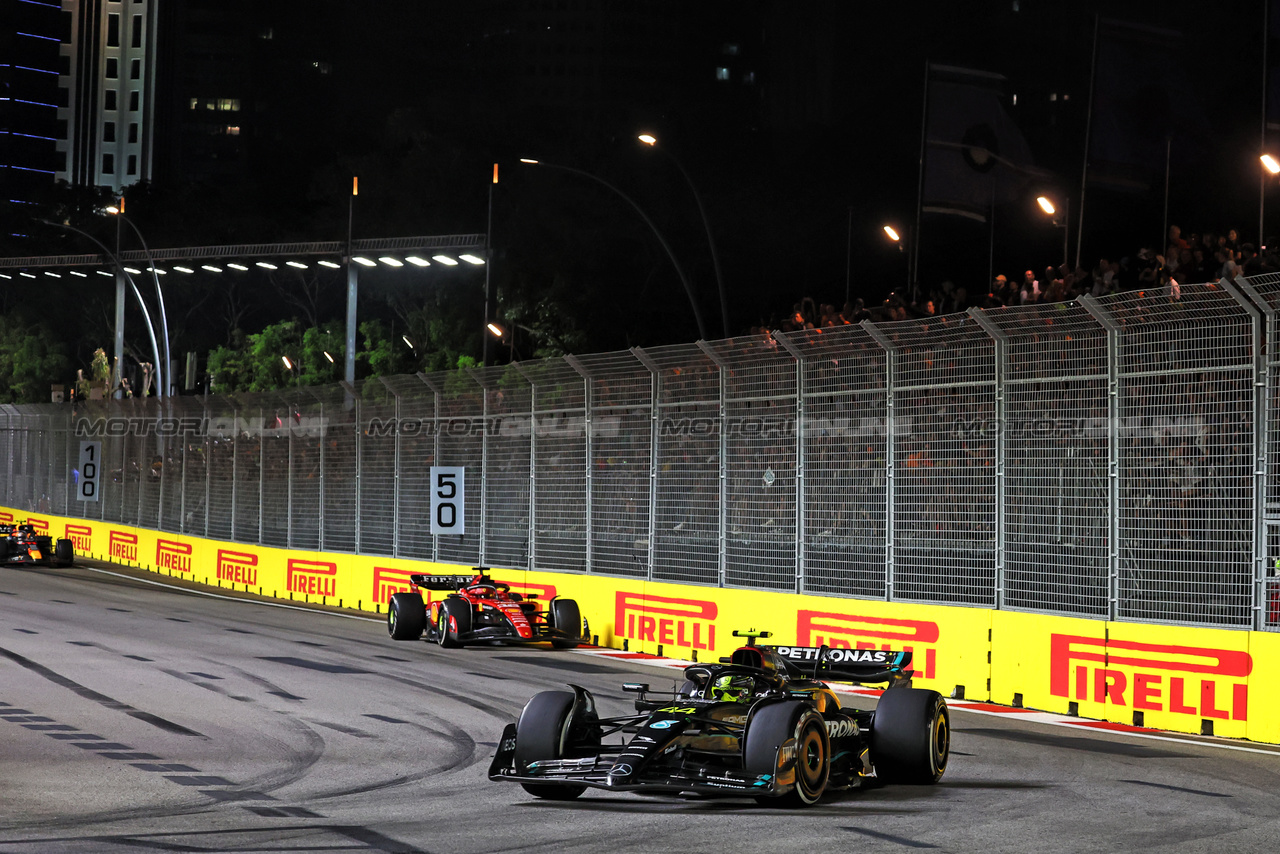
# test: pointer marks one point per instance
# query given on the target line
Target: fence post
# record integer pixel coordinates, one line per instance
(1261, 434)
(1001, 339)
(1104, 317)
(533, 466)
(722, 454)
(435, 447)
(395, 477)
(890, 448)
(801, 539)
(588, 483)
(655, 393)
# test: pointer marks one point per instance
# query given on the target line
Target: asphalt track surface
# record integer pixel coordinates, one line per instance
(139, 717)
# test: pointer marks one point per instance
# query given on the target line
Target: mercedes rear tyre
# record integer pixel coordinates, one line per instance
(406, 616)
(910, 736)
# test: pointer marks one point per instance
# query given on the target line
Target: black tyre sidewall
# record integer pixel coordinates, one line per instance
(566, 617)
(775, 723)
(406, 616)
(910, 736)
(541, 734)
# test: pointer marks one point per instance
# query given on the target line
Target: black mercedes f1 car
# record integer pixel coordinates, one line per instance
(20, 545)
(478, 609)
(762, 724)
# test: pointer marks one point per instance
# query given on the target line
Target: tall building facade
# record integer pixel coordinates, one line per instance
(29, 104)
(109, 82)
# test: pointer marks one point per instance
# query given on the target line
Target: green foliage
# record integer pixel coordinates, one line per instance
(32, 358)
(256, 362)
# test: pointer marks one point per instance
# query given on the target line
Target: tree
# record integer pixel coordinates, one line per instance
(32, 358)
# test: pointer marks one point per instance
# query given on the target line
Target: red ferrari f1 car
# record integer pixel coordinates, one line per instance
(20, 545)
(478, 610)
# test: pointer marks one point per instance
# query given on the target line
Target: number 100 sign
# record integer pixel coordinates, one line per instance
(448, 500)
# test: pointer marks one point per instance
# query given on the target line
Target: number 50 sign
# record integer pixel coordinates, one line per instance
(448, 500)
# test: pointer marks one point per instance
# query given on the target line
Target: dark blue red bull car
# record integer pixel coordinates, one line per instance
(20, 545)
(479, 610)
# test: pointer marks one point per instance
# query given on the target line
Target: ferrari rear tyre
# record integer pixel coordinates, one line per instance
(910, 736)
(542, 733)
(406, 616)
(780, 724)
(566, 617)
(64, 552)
(454, 619)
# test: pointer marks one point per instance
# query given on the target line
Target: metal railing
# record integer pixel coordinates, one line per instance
(1112, 458)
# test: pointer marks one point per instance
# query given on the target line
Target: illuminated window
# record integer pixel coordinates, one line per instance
(730, 50)
(266, 33)
(194, 103)
(232, 130)
(722, 73)
(231, 104)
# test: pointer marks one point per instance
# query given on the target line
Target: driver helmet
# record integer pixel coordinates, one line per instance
(732, 689)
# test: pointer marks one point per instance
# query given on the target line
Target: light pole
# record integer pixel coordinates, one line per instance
(652, 141)
(1047, 207)
(688, 289)
(1273, 167)
(897, 238)
(120, 271)
(162, 376)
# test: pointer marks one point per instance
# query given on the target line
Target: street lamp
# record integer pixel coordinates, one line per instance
(120, 271)
(688, 289)
(652, 141)
(162, 376)
(1047, 206)
(894, 236)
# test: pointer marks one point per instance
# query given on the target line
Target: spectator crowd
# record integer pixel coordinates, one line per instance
(1198, 257)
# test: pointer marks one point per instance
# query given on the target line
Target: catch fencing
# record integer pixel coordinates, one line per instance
(1112, 458)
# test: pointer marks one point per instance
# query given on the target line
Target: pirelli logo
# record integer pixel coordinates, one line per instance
(659, 619)
(122, 546)
(6, 517)
(387, 581)
(859, 631)
(81, 537)
(312, 578)
(41, 526)
(1186, 680)
(237, 567)
(173, 555)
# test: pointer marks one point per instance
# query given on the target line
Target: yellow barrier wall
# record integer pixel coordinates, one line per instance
(1178, 678)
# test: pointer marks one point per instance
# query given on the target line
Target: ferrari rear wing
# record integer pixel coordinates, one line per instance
(861, 666)
(442, 582)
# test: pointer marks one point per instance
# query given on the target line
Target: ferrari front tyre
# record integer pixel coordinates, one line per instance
(566, 617)
(799, 731)
(406, 616)
(64, 552)
(453, 619)
(542, 733)
(910, 736)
